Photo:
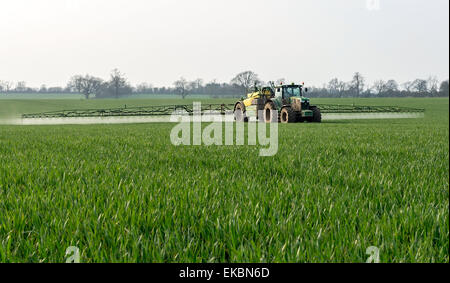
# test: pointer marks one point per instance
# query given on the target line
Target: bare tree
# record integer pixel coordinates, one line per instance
(333, 86)
(391, 86)
(357, 83)
(379, 86)
(408, 86)
(342, 87)
(245, 80)
(86, 85)
(420, 85)
(433, 84)
(195, 85)
(117, 81)
(182, 87)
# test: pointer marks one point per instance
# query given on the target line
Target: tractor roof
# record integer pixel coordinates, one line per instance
(288, 85)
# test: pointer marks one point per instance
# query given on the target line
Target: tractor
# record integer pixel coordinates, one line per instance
(288, 100)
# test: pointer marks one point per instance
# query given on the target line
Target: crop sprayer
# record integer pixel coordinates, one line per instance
(289, 100)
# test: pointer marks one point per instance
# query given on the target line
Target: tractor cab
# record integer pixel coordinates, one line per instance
(292, 91)
(291, 94)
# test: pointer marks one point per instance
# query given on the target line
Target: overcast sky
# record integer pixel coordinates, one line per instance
(157, 41)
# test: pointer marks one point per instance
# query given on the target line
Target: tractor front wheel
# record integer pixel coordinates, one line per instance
(288, 115)
(317, 116)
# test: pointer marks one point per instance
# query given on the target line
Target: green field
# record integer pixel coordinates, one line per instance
(124, 193)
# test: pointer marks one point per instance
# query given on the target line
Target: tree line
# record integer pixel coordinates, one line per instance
(357, 87)
(117, 86)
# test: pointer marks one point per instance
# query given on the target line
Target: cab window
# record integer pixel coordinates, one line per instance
(292, 91)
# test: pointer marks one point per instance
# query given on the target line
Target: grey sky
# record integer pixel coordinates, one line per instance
(157, 41)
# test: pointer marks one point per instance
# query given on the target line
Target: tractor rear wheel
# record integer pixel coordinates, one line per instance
(288, 115)
(317, 116)
(270, 115)
(239, 112)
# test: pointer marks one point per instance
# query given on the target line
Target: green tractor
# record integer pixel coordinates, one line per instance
(288, 100)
